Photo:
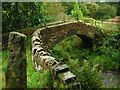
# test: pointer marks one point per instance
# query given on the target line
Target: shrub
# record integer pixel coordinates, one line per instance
(88, 76)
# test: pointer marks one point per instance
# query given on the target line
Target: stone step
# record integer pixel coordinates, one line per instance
(67, 77)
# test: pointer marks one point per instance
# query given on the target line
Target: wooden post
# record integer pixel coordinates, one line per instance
(77, 17)
(95, 23)
(64, 19)
(16, 69)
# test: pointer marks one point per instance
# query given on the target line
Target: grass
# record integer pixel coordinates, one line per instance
(36, 79)
(4, 65)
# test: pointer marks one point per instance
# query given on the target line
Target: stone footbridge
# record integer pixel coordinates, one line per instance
(45, 38)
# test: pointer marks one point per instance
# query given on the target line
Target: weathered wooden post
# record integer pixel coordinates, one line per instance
(77, 17)
(64, 19)
(16, 69)
(95, 23)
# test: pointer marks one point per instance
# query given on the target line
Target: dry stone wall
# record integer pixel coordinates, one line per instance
(45, 38)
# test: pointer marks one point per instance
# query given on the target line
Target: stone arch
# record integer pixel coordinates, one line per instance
(45, 38)
(87, 42)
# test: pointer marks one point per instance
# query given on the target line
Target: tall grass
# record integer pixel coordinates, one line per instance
(4, 64)
(36, 79)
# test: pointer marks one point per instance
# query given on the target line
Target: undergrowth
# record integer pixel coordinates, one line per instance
(88, 64)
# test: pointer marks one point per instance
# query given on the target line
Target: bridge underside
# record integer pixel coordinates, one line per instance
(50, 40)
(87, 42)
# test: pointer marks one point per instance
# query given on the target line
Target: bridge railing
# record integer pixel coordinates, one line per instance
(57, 19)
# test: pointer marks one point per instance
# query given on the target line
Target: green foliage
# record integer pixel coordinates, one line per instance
(93, 8)
(104, 11)
(110, 48)
(54, 8)
(84, 9)
(39, 80)
(76, 12)
(67, 51)
(118, 9)
(59, 84)
(88, 75)
(68, 7)
(4, 60)
(64, 50)
(3, 66)
(18, 15)
(88, 64)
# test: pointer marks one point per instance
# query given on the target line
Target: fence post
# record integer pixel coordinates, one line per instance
(64, 19)
(16, 69)
(77, 17)
(95, 23)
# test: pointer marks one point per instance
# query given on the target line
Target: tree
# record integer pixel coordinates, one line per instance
(18, 15)
(68, 7)
(76, 12)
(118, 9)
(106, 12)
(84, 9)
(93, 9)
(52, 11)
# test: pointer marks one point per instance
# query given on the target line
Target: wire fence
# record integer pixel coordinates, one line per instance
(57, 19)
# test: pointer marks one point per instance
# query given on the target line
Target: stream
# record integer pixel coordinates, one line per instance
(111, 79)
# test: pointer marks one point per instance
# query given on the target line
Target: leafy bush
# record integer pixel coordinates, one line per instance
(87, 75)
(109, 50)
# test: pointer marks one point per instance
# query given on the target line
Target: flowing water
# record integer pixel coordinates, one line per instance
(111, 79)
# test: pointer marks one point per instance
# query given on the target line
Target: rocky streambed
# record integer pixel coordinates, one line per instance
(111, 79)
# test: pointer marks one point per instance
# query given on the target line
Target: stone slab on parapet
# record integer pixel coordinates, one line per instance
(61, 68)
(67, 77)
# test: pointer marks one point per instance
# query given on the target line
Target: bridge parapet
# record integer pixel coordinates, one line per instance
(45, 38)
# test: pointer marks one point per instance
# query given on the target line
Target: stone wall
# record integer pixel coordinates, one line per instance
(45, 38)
